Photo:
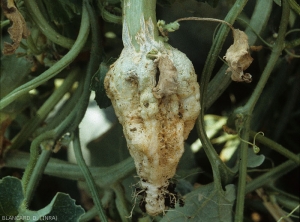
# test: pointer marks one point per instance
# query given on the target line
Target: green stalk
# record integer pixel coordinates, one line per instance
(34, 148)
(45, 109)
(88, 216)
(134, 11)
(37, 173)
(104, 176)
(56, 68)
(273, 174)
(246, 111)
(218, 43)
(258, 21)
(44, 26)
(4, 23)
(239, 214)
(276, 52)
(294, 6)
(275, 146)
(222, 174)
(34, 155)
(76, 114)
(121, 202)
(88, 176)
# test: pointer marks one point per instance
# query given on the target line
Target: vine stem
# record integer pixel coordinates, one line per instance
(44, 26)
(34, 148)
(37, 172)
(45, 109)
(4, 23)
(222, 174)
(220, 81)
(275, 146)
(273, 174)
(88, 176)
(56, 68)
(121, 203)
(88, 216)
(276, 52)
(34, 155)
(104, 176)
(246, 111)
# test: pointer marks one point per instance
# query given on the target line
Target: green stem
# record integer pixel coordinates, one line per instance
(239, 215)
(222, 174)
(276, 52)
(294, 6)
(4, 23)
(275, 146)
(104, 176)
(56, 68)
(136, 10)
(121, 202)
(220, 81)
(37, 173)
(34, 155)
(88, 216)
(77, 113)
(44, 26)
(246, 111)
(273, 174)
(88, 176)
(45, 109)
(218, 43)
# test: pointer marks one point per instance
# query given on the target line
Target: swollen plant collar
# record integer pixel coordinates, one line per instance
(155, 94)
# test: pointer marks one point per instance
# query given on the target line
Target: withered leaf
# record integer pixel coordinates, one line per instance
(167, 83)
(239, 58)
(18, 30)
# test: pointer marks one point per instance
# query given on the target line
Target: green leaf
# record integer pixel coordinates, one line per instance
(13, 71)
(97, 85)
(205, 204)
(61, 208)
(63, 11)
(278, 2)
(254, 160)
(11, 196)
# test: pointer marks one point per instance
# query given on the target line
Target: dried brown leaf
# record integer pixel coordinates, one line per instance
(18, 30)
(239, 58)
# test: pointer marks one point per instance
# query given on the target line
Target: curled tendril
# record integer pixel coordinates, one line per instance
(256, 149)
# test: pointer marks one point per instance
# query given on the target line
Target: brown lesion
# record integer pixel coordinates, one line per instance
(18, 30)
(167, 80)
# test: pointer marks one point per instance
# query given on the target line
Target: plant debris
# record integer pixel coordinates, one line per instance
(18, 30)
(239, 58)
